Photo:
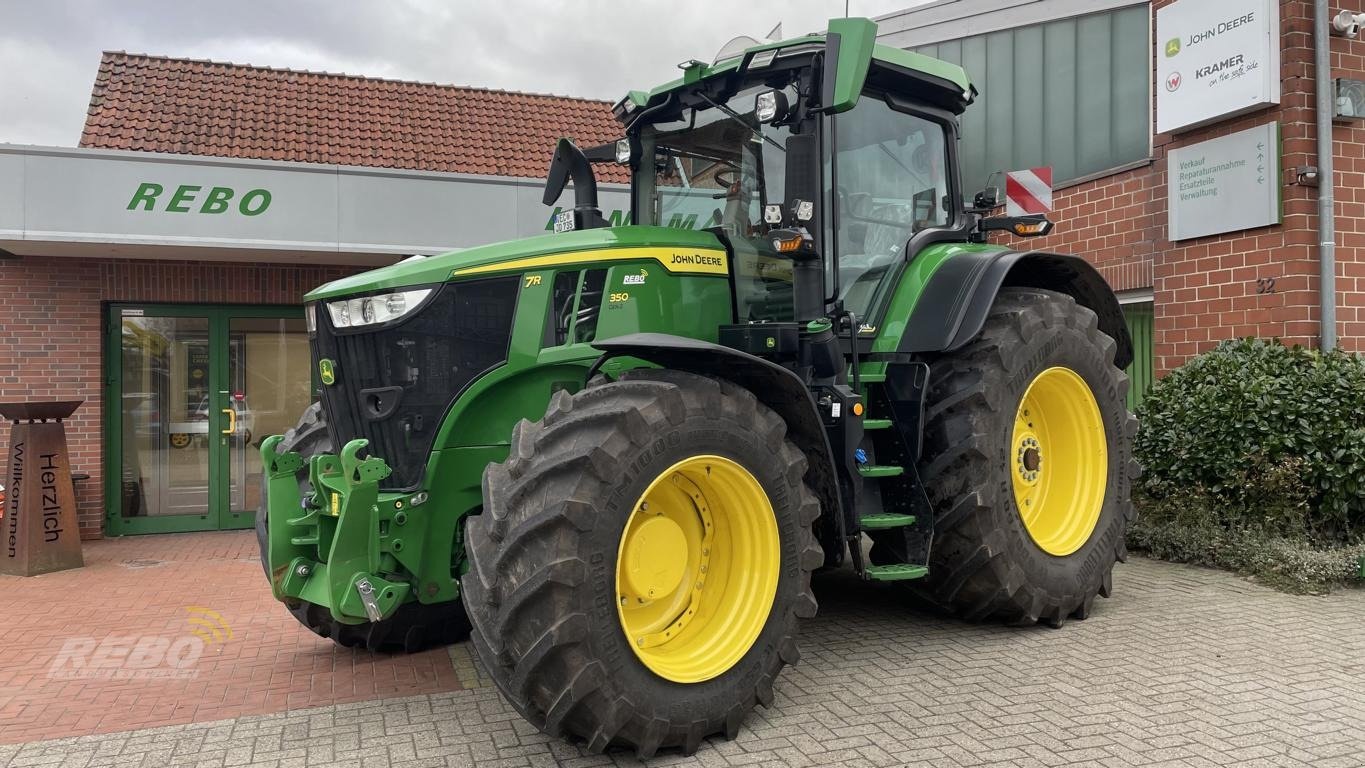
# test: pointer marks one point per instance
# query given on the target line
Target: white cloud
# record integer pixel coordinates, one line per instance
(49, 51)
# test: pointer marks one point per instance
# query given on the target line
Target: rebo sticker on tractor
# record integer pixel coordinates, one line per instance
(615, 455)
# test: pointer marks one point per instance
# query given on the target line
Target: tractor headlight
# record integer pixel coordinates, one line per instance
(623, 151)
(374, 310)
(310, 318)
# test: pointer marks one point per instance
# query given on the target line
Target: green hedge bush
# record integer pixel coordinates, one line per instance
(1267, 438)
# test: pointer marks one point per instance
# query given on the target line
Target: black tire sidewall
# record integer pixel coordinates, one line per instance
(1081, 570)
(680, 701)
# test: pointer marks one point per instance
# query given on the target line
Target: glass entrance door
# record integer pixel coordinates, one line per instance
(192, 392)
(270, 385)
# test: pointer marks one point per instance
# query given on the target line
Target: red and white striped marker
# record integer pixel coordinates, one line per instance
(1028, 191)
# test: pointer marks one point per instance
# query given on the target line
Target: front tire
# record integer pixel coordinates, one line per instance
(1028, 464)
(413, 627)
(600, 606)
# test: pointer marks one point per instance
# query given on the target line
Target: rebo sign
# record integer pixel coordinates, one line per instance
(187, 198)
(1215, 60)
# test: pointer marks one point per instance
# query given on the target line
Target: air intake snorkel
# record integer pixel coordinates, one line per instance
(569, 163)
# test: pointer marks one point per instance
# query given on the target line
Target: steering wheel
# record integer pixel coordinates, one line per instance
(726, 177)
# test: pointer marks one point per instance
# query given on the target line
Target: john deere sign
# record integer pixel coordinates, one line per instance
(191, 198)
(1215, 60)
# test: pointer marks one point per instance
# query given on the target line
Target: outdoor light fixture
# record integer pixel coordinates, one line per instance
(770, 106)
(1347, 24)
(372, 310)
(623, 151)
(805, 210)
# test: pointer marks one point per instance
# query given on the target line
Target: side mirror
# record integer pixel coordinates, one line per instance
(987, 198)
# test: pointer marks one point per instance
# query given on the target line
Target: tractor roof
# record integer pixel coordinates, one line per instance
(938, 81)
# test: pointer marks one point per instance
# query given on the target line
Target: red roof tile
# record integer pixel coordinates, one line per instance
(188, 106)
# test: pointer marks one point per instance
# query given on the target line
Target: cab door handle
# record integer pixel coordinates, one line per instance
(232, 421)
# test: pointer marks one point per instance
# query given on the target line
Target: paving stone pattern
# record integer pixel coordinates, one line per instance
(1183, 667)
(260, 660)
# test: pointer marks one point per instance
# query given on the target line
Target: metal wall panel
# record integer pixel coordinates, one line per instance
(1072, 93)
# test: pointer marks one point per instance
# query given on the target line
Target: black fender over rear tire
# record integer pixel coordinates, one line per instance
(541, 588)
(984, 564)
(414, 627)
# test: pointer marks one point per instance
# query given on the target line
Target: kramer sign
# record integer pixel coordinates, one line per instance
(1214, 60)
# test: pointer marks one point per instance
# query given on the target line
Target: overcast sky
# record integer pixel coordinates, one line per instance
(50, 49)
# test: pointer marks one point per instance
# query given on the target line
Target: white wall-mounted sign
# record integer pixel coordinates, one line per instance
(1224, 184)
(1215, 58)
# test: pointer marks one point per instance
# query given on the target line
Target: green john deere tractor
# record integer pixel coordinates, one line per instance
(617, 453)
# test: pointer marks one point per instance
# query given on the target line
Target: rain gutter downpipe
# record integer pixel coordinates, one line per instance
(1327, 267)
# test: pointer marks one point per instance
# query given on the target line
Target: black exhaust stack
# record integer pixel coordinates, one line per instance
(569, 163)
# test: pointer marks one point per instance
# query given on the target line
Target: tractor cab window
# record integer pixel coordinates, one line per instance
(717, 166)
(891, 180)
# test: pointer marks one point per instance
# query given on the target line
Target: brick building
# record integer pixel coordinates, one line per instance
(178, 319)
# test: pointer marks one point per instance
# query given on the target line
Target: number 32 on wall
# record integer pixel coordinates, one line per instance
(1265, 285)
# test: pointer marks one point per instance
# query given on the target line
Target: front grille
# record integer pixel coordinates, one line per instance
(395, 383)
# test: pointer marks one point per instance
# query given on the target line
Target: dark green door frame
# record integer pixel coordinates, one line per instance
(218, 515)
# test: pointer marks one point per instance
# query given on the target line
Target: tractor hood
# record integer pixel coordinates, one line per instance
(486, 259)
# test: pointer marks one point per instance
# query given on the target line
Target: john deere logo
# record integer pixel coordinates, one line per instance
(1172, 47)
(327, 371)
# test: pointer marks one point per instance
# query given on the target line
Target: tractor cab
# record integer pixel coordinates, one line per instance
(814, 186)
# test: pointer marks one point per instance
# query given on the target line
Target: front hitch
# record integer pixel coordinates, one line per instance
(328, 553)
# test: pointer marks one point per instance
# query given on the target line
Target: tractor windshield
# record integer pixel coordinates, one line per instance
(717, 166)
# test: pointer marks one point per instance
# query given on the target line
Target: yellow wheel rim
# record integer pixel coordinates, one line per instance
(697, 569)
(1059, 461)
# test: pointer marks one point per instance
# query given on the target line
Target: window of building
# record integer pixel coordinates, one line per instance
(1074, 94)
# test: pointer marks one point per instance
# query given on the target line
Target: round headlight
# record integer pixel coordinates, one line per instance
(367, 310)
(396, 303)
(343, 313)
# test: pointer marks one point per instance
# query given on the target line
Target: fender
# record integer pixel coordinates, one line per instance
(773, 385)
(955, 302)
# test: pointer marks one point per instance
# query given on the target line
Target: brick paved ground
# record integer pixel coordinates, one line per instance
(1183, 667)
(143, 586)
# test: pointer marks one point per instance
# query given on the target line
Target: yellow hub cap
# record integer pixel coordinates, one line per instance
(1059, 461)
(697, 569)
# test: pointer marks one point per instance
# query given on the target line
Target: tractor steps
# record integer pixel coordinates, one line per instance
(883, 520)
(870, 425)
(871, 377)
(896, 572)
(873, 470)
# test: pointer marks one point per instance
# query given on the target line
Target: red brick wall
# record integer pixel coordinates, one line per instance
(51, 312)
(1206, 289)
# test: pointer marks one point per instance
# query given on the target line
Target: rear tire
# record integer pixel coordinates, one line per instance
(987, 563)
(413, 627)
(544, 575)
